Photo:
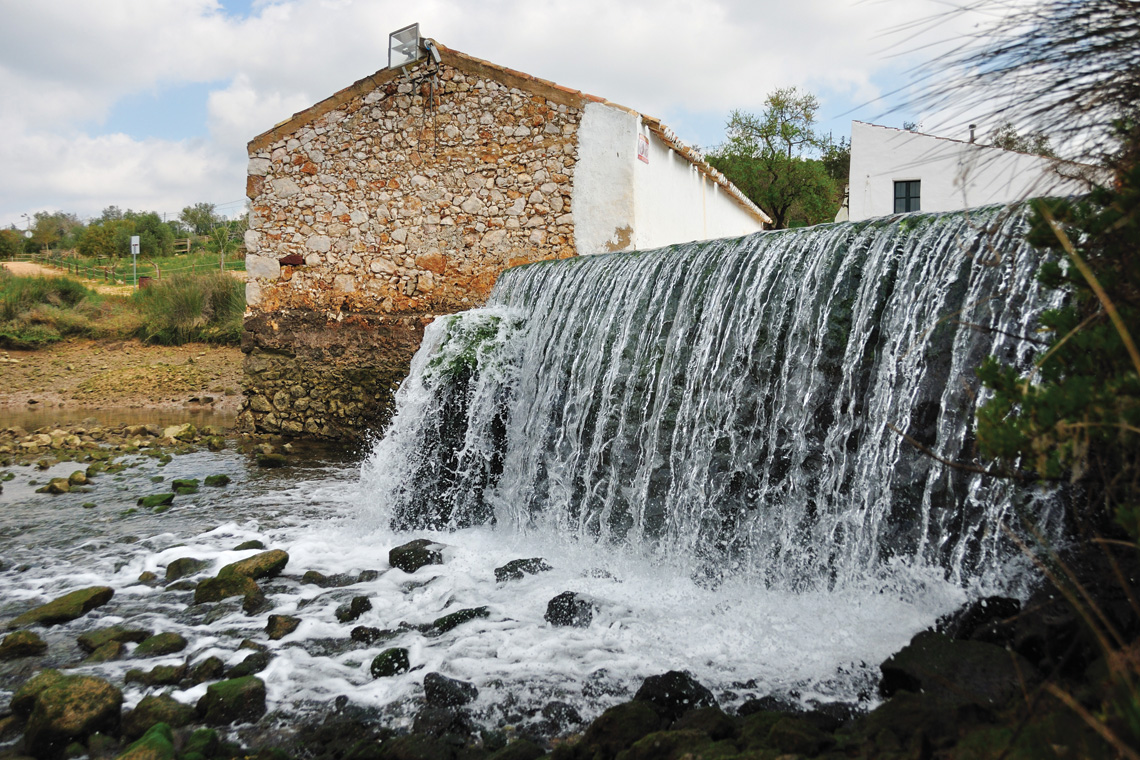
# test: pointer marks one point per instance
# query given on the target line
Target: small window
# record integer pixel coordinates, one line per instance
(906, 196)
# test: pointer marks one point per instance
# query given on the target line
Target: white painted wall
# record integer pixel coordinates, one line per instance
(954, 174)
(622, 203)
(676, 202)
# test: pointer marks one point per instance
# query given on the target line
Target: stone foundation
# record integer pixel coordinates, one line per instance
(310, 375)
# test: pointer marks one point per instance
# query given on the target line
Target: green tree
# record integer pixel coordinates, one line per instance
(200, 218)
(107, 239)
(1007, 137)
(11, 243)
(771, 157)
(155, 236)
(53, 230)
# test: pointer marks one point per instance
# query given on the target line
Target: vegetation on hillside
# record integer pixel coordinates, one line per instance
(38, 311)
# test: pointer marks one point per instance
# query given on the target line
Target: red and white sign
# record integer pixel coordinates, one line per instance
(643, 148)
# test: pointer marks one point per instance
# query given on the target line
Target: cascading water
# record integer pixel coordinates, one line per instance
(728, 405)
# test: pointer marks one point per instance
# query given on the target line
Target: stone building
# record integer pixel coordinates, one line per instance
(404, 196)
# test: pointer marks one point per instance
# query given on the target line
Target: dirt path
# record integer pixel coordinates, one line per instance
(31, 269)
(125, 374)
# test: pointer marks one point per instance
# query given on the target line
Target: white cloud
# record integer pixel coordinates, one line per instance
(65, 63)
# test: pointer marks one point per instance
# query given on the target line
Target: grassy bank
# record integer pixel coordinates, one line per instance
(37, 311)
(122, 269)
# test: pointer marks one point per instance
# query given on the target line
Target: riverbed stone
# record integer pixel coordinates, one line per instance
(92, 640)
(77, 478)
(619, 727)
(157, 743)
(570, 609)
(21, 644)
(390, 662)
(441, 691)
(253, 543)
(156, 500)
(674, 693)
(210, 669)
(254, 663)
(184, 486)
(161, 644)
(448, 622)
(225, 586)
(68, 607)
(185, 566)
(413, 555)
(70, 709)
(56, 486)
(109, 652)
(217, 481)
(160, 675)
(280, 626)
(264, 565)
(520, 568)
(353, 609)
(237, 700)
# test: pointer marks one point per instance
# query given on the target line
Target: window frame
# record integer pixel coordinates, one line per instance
(909, 201)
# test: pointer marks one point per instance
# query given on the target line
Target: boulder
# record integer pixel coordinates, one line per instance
(957, 672)
(520, 568)
(442, 722)
(156, 744)
(350, 611)
(184, 566)
(619, 727)
(161, 644)
(413, 555)
(184, 486)
(280, 626)
(160, 675)
(981, 618)
(570, 609)
(264, 565)
(338, 580)
(69, 709)
(238, 700)
(441, 691)
(77, 478)
(674, 693)
(253, 543)
(56, 486)
(390, 662)
(254, 663)
(154, 709)
(217, 481)
(21, 644)
(67, 607)
(112, 650)
(93, 640)
(210, 669)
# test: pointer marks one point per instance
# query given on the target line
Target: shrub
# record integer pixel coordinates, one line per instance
(205, 307)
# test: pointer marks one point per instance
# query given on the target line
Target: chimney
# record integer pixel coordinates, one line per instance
(972, 128)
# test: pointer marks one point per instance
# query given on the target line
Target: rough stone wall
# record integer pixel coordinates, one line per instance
(394, 203)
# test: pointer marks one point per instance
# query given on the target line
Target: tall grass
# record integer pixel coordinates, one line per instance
(204, 307)
(37, 311)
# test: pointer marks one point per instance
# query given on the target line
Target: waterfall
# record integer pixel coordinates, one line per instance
(729, 403)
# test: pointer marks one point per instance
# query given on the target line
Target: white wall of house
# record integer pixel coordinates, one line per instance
(621, 202)
(953, 174)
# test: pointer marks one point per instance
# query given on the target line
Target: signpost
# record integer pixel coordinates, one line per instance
(135, 258)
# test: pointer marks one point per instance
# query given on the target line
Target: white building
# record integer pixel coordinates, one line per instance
(895, 171)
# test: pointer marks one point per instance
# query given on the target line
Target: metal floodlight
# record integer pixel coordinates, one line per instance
(404, 46)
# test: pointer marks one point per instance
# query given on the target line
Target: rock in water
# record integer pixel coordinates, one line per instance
(65, 608)
(520, 568)
(238, 700)
(225, 586)
(156, 744)
(21, 644)
(441, 691)
(448, 622)
(350, 611)
(390, 662)
(66, 709)
(156, 500)
(184, 566)
(264, 565)
(280, 626)
(161, 644)
(568, 608)
(92, 640)
(674, 693)
(413, 555)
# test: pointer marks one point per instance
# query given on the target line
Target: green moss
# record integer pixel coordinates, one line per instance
(156, 500)
(156, 744)
(390, 662)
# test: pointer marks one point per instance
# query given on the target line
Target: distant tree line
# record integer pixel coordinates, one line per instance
(109, 234)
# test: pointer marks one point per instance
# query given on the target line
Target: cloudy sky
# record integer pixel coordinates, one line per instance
(149, 104)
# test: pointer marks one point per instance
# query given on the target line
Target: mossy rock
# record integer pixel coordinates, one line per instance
(204, 741)
(161, 644)
(56, 486)
(390, 662)
(673, 745)
(238, 700)
(263, 565)
(21, 644)
(217, 481)
(184, 566)
(153, 709)
(66, 608)
(254, 663)
(160, 675)
(93, 640)
(24, 699)
(112, 650)
(619, 727)
(253, 543)
(353, 609)
(210, 669)
(280, 626)
(156, 744)
(68, 710)
(156, 500)
(455, 619)
(272, 460)
(185, 486)
(77, 478)
(225, 586)
(520, 568)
